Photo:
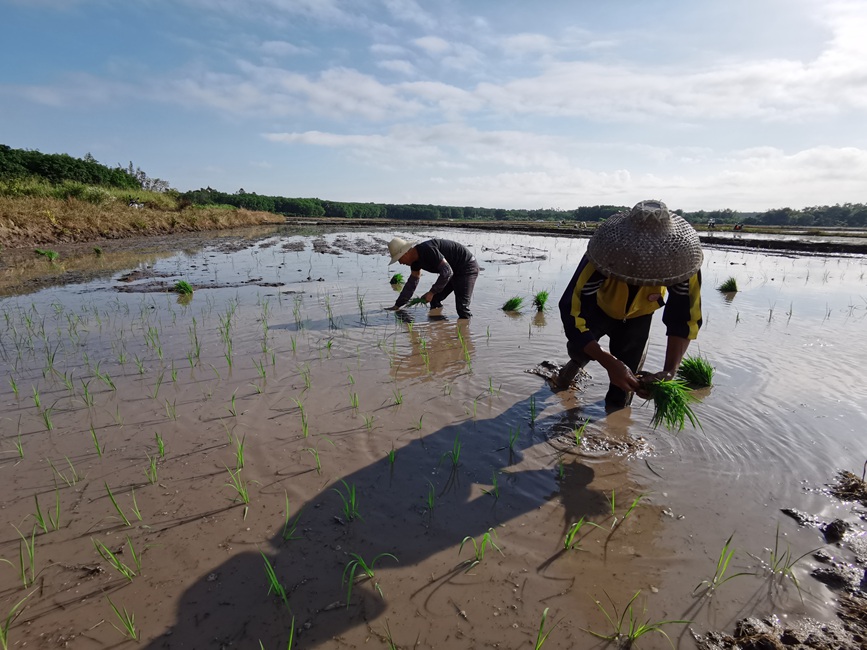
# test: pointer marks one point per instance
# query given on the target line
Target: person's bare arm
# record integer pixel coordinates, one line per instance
(407, 291)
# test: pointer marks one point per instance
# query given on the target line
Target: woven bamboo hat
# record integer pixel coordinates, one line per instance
(397, 248)
(646, 246)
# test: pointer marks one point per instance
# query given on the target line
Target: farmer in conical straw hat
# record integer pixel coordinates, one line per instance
(452, 262)
(631, 260)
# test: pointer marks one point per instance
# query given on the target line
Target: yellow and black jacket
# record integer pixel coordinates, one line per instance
(591, 296)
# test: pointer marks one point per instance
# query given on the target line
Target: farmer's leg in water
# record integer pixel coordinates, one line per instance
(463, 287)
(628, 342)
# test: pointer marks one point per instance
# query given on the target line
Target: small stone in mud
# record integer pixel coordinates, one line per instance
(803, 518)
(834, 531)
(838, 576)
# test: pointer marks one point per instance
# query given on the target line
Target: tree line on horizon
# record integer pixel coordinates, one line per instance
(21, 164)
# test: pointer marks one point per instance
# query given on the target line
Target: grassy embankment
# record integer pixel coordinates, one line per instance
(34, 213)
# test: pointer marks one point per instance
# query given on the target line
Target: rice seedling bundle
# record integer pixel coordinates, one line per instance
(696, 371)
(513, 304)
(397, 278)
(415, 302)
(540, 300)
(183, 287)
(729, 286)
(671, 404)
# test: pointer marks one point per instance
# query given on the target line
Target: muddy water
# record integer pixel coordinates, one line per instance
(317, 385)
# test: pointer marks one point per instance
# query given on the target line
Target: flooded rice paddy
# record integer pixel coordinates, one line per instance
(160, 452)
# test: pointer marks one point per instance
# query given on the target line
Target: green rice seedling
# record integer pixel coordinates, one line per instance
(68, 382)
(719, 577)
(97, 250)
(454, 454)
(37, 402)
(430, 498)
(139, 364)
(391, 456)
(174, 373)
(479, 547)
(729, 286)
(513, 436)
(86, 395)
(350, 501)
(46, 417)
(118, 418)
(368, 422)
(28, 547)
(627, 628)
(183, 287)
(418, 424)
(116, 505)
(398, 396)
(315, 453)
(135, 508)
(19, 446)
(696, 371)
(304, 428)
(159, 382)
(495, 486)
(14, 613)
(578, 433)
(358, 568)
(113, 559)
(40, 519)
(561, 470)
(290, 526)
(237, 483)
(172, 409)
(239, 451)
(73, 477)
(532, 409)
(50, 255)
(671, 404)
(397, 278)
(781, 563)
(541, 635)
(389, 640)
(491, 389)
(540, 300)
(274, 585)
(127, 621)
(293, 344)
(54, 517)
(260, 368)
(14, 385)
(151, 470)
(353, 400)
(569, 543)
(513, 304)
(232, 410)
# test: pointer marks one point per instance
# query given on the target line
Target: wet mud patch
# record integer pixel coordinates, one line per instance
(849, 487)
(514, 254)
(772, 634)
(297, 246)
(158, 286)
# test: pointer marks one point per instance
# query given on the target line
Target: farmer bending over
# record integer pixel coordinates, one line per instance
(453, 262)
(631, 259)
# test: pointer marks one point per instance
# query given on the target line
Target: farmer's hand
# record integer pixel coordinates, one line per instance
(621, 376)
(392, 308)
(645, 379)
(428, 296)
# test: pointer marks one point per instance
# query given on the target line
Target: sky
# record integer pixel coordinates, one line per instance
(743, 104)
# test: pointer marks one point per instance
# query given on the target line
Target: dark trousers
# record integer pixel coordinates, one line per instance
(627, 340)
(462, 284)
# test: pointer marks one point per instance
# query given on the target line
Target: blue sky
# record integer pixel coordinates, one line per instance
(747, 104)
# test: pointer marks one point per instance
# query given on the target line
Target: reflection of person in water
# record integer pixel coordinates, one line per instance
(438, 348)
(454, 263)
(230, 606)
(632, 258)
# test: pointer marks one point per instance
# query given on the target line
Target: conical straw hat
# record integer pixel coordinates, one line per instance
(397, 248)
(646, 246)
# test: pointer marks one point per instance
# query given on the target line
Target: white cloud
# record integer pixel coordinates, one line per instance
(410, 11)
(280, 48)
(433, 45)
(397, 65)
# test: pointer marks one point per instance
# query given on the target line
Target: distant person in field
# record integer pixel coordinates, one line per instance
(632, 259)
(452, 262)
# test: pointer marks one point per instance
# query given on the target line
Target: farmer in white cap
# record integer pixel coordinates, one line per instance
(631, 260)
(452, 262)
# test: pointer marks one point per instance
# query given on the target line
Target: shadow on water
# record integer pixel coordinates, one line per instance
(231, 605)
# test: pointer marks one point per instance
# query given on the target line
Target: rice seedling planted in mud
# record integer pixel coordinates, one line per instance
(569, 543)
(627, 628)
(116, 506)
(29, 547)
(541, 635)
(114, 560)
(237, 483)
(495, 486)
(151, 470)
(290, 526)
(357, 567)
(479, 547)
(14, 613)
(730, 285)
(513, 304)
(671, 404)
(274, 585)
(540, 300)
(696, 371)
(454, 454)
(50, 255)
(350, 501)
(722, 564)
(127, 621)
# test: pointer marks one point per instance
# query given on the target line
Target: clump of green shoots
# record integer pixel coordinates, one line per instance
(696, 371)
(540, 300)
(14, 613)
(627, 627)
(127, 621)
(513, 304)
(350, 501)
(541, 635)
(50, 255)
(729, 286)
(357, 567)
(570, 543)
(722, 564)
(183, 287)
(397, 278)
(671, 404)
(479, 547)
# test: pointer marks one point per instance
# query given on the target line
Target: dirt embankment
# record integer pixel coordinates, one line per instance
(27, 222)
